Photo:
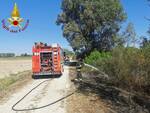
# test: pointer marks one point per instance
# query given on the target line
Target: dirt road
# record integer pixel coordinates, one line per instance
(46, 93)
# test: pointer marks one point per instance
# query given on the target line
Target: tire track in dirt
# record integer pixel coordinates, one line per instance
(46, 93)
(38, 97)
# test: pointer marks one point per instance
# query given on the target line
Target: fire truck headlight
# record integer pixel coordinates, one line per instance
(35, 54)
(55, 53)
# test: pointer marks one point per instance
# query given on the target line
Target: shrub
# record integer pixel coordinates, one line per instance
(127, 67)
(96, 56)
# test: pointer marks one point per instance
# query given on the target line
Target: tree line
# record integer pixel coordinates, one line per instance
(7, 54)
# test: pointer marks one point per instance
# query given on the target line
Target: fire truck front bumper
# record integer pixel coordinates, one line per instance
(46, 75)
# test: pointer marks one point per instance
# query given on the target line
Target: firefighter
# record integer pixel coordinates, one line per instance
(78, 68)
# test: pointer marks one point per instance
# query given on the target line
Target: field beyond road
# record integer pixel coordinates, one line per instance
(9, 66)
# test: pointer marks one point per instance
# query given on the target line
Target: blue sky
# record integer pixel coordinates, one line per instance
(137, 11)
(42, 27)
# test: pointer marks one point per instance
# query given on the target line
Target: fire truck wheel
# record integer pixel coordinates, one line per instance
(34, 77)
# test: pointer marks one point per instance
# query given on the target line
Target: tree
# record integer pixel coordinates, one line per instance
(129, 35)
(7, 54)
(145, 41)
(68, 52)
(91, 24)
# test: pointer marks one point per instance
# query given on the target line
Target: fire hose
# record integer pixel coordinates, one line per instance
(54, 102)
(35, 108)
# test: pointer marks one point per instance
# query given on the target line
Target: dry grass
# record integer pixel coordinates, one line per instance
(11, 84)
(9, 66)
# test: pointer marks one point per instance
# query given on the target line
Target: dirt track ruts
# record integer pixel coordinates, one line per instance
(46, 93)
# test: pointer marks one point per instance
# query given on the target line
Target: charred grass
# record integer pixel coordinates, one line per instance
(96, 94)
(119, 99)
(84, 102)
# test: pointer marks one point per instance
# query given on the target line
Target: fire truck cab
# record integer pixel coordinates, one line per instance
(47, 59)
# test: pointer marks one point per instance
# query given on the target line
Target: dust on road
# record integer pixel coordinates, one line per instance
(46, 93)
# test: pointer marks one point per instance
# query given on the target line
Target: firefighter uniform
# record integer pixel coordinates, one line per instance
(78, 68)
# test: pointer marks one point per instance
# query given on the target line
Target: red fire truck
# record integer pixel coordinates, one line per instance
(47, 60)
